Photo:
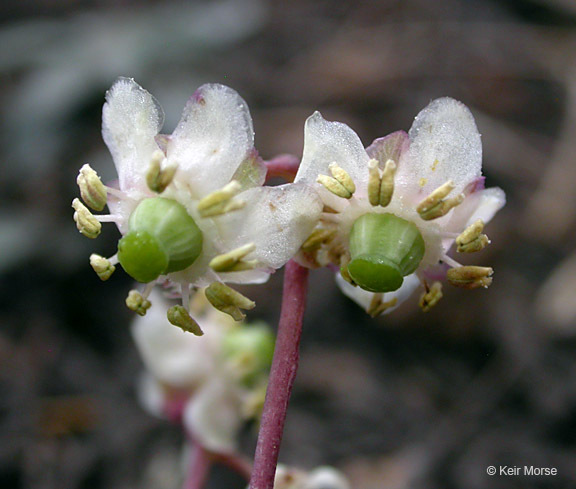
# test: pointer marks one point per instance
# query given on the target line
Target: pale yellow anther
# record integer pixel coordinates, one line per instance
(228, 300)
(430, 297)
(232, 261)
(137, 303)
(472, 239)
(470, 277)
(378, 306)
(435, 206)
(342, 177)
(334, 186)
(179, 316)
(92, 189)
(387, 183)
(159, 178)
(221, 201)
(317, 238)
(344, 261)
(102, 266)
(373, 182)
(86, 223)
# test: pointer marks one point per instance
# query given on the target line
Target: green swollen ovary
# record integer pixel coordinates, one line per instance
(384, 249)
(162, 238)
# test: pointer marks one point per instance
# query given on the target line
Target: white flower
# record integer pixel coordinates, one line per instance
(323, 477)
(214, 384)
(191, 206)
(393, 211)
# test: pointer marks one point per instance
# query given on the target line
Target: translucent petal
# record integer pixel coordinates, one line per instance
(213, 416)
(332, 142)
(444, 145)
(483, 204)
(326, 478)
(364, 298)
(131, 118)
(276, 219)
(390, 147)
(214, 136)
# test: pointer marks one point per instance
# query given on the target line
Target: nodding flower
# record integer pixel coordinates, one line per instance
(190, 206)
(393, 211)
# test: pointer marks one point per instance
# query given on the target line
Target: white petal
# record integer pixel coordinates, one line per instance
(151, 395)
(326, 478)
(483, 204)
(276, 219)
(178, 359)
(131, 118)
(364, 298)
(332, 142)
(444, 145)
(213, 416)
(213, 137)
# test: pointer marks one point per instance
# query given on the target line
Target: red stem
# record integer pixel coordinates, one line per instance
(198, 469)
(285, 166)
(282, 375)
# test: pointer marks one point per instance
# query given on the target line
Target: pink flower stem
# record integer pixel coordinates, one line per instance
(284, 166)
(199, 467)
(282, 375)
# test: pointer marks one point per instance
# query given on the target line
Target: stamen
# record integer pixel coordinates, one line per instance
(185, 294)
(434, 206)
(340, 183)
(221, 201)
(344, 262)
(86, 223)
(103, 267)
(107, 218)
(470, 277)
(472, 239)
(228, 300)
(179, 316)
(343, 177)
(377, 306)
(232, 261)
(92, 189)
(137, 303)
(373, 182)
(450, 261)
(317, 239)
(387, 183)
(430, 297)
(159, 178)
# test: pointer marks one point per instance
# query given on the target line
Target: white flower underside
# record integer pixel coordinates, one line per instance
(443, 144)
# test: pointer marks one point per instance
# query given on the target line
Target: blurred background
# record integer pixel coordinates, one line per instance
(408, 400)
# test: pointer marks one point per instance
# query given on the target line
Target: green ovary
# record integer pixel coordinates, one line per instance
(384, 249)
(163, 238)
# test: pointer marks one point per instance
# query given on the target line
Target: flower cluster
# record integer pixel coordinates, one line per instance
(193, 210)
(191, 206)
(320, 478)
(393, 211)
(213, 386)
